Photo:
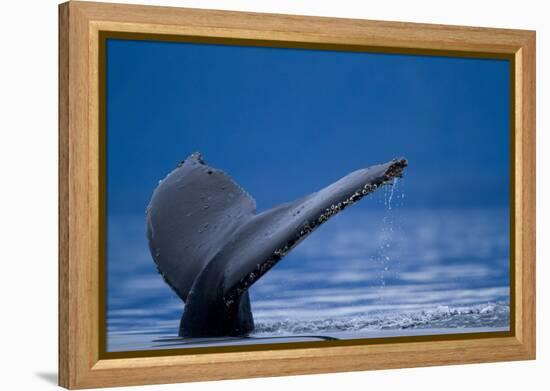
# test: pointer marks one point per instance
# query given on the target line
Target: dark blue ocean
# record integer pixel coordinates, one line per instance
(377, 269)
(429, 256)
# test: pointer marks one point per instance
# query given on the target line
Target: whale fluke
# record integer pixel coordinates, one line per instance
(210, 246)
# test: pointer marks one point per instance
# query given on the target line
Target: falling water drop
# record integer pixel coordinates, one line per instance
(393, 186)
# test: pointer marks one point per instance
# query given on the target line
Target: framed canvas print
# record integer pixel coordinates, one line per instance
(248, 195)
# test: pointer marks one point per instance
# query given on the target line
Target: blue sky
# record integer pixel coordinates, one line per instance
(286, 122)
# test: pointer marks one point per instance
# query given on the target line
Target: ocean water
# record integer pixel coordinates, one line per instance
(376, 270)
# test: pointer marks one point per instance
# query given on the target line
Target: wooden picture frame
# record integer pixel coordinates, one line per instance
(83, 363)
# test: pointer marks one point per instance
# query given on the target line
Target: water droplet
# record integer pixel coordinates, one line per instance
(393, 186)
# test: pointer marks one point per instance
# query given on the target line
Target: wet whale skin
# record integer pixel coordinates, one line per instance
(210, 245)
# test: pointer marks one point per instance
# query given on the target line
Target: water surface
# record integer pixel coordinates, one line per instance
(373, 271)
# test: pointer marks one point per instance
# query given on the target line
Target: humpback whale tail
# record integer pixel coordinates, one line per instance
(210, 246)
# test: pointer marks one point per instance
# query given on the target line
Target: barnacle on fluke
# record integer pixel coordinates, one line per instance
(210, 245)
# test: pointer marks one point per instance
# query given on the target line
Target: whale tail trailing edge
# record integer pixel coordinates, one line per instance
(211, 246)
